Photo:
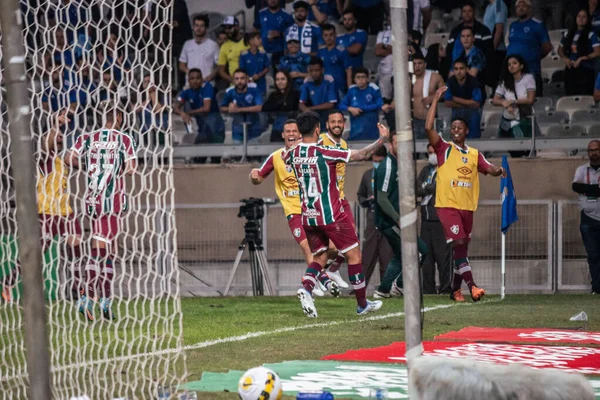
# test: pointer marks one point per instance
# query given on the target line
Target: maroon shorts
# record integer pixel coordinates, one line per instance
(457, 224)
(341, 233)
(295, 223)
(105, 227)
(61, 225)
(348, 211)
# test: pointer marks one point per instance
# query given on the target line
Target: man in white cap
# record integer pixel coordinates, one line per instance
(229, 56)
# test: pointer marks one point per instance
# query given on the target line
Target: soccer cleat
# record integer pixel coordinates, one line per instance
(308, 305)
(334, 289)
(381, 295)
(317, 291)
(337, 278)
(457, 296)
(396, 290)
(104, 305)
(371, 307)
(477, 293)
(86, 307)
(7, 294)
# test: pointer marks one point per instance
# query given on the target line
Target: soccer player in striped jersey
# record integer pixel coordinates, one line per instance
(323, 215)
(107, 155)
(457, 193)
(286, 187)
(55, 214)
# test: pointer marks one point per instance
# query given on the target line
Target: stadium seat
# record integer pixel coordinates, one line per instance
(571, 104)
(493, 119)
(554, 89)
(552, 118)
(587, 117)
(555, 37)
(490, 132)
(542, 104)
(436, 26)
(488, 110)
(594, 130)
(444, 113)
(550, 65)
(565, 131)
(441, 38)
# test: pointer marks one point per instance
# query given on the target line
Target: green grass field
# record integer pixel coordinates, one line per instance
(338, 328)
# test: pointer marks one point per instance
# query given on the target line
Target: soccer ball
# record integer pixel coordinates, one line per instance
(260, 383)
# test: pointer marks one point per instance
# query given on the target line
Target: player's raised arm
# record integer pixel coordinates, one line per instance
(258, 175)
(367, 152)
(433, 135)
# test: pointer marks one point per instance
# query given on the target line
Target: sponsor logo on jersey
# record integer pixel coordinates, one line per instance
(455, 183)
(104, 145)
(311, 213)
(304, 160)
(464, 171)
(455, 229)
(297, 232)
(291, 193)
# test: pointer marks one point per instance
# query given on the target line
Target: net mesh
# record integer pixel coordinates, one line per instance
(80, 54)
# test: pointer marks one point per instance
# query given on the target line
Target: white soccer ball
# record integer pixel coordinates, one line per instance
(260, 383)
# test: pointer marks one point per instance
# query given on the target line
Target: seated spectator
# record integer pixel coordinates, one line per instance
(56, 96)
(516, 94)
(483, 36)
(474, 56)
(529, 38)
(65, 53)
(335, 61)
(151, 108)
(200, 102)
(200, 52)
(425, 84)
(437, 60)
(325, 11)
(229, 54)
(116, 58)
(255, 61)
(317, 93)
(579, 48)
(244, 102)
(465, 97)
(354, 40)
(295, 63)
(597, 89)
(363, 102)
(271, 23)
(284, 100)
(385, 69)
(306, 32)
(370, 14)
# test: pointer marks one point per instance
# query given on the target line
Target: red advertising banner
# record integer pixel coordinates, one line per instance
(523, 335)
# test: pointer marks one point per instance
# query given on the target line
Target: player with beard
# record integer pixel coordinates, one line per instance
(286, 187)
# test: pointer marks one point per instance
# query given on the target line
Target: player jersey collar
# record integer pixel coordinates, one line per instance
(332, 139)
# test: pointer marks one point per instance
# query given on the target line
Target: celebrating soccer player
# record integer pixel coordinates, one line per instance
(286, 187)
(323, 215)
(107, 155)
(55, 214)
(457, 193)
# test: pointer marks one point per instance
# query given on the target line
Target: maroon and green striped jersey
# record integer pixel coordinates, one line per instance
(315, 168)
(105, 154)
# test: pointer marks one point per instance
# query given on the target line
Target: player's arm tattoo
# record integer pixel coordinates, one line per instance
(366, 152)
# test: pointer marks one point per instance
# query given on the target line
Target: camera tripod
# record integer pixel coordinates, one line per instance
(259, 267)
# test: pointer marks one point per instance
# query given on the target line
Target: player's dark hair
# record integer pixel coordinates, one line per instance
(196, 70)
(316, 61)
(468, 28)
(380, 152)
(464, 121)
(460, 60)
(334, 111)
(469, 3)
(290, 121)
(327, 27)
(240, 70)
(249, 36)
(360, 70)
(307, 122)
(204, 18)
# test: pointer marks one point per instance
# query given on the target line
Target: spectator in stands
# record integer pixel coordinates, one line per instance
(363, 102)
(579, 48)
(415, 39)
(529, 38)
(376, 249)
(244, 102)
(255, 61)
(426, 82)
(116, 58)
(354, 40)
(295, 63)
(108, 89)
(322, 11)
(586, 183)
(271, 23)
(221, 37)
(86, 95)
(317, 93)
(495, 19)
(229, 55)
(597, 89)
(307, 33)
(432, 231)
(385, 69)
(72, 16)
(594, 10)
(437, 60)
(370, 14)
(199, 101)
(336, 61)
(182, 30)
(200, 52)
(283, 101)
(483, 36)
(465, 97)
(258, 5)
(551, 13)
(56, 95)
(421, 15)
(151, 108)
(64, 53)
(474, 56)
(516, 94)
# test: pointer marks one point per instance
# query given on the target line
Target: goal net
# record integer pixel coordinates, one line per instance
(84, 56)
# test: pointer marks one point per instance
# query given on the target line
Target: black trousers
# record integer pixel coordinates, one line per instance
(375, 248)
(440, 253)
(370, 19)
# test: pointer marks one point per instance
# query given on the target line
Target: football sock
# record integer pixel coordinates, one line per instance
(74, 257)
(459, 255)
(324, 279)
(107, 277)
(464, 270)
(357, 281)
(310, 276)
(337, 263)
(93, 270)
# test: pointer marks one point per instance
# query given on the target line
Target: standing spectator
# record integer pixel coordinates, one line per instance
(182, 30)
(354, 40)
(370, 14)
(594, 10)
(295, 63)
(375, 248)
(244, 101)
(529, 38)
(281, 102)
(258, 5)
(56, 95)
(483, 36)
(229, 54)
(272, 23)
(336, 61)
(306, 32)
(255, 61)
(550, 12)
(474, 56)
(426, 82)
(516, 94)
(421, 15)
(495, 19)
(579, 48)
(465, 97)
(152, 111)
(363, 102)
(200, 52)
(437, 60)
(385, 69)
(322, 11)
(317, 93)
(200, 102)
(587, 184)
(432, 231)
